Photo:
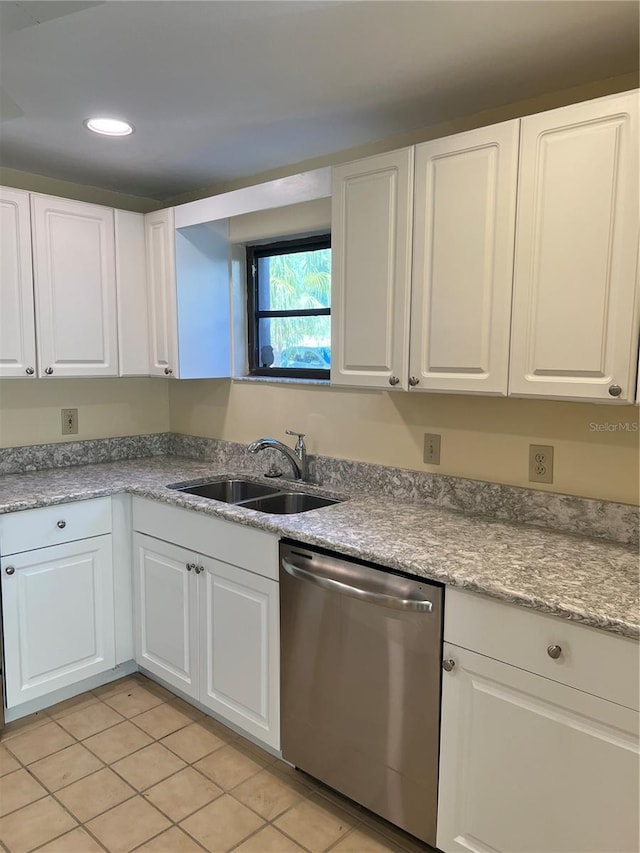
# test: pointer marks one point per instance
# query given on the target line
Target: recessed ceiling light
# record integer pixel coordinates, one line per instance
(109, 126)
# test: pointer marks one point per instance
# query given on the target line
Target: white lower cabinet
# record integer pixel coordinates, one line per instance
(165, 612)
(529, 764)
(210, 629)
(58, 612)
(240, 651)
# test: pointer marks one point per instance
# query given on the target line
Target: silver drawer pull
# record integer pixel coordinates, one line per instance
(448, 664)
(554, 651)
(10, 570)
(62, 524)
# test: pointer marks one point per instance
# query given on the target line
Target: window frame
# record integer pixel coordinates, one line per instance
(254, 314)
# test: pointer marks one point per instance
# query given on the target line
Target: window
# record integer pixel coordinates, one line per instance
(289, 304)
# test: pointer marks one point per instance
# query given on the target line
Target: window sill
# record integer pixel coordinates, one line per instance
(281, 380)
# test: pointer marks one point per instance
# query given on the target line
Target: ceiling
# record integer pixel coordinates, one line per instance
(218, 91)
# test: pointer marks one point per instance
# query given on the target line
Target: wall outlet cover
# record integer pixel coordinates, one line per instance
(69, 421)
(431, 448)
(540, 463)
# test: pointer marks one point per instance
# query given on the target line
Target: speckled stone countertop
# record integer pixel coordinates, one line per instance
(582, 579)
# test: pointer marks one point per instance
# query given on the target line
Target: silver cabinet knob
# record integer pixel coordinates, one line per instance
(48, 371)
(615, 390)
(448, 664)
(29, 371)
(10, 570)
(393, 380)
(168, 371)
(190, 566)
(413, 381)
(62, 524)
(199, 569)
(554, 651)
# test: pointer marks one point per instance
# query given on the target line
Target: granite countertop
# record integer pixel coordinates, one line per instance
(586, 580)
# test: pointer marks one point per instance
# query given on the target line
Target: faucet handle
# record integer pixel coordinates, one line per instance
(300, 435)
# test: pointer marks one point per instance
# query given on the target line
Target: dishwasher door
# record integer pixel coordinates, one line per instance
(361, 653)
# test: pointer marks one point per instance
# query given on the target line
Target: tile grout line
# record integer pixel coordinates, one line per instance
(52, 795)
(77, 740)
(243, 745)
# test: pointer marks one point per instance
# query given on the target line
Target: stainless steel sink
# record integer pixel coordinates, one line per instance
(286, 503)
(258, 496)
(229, 491)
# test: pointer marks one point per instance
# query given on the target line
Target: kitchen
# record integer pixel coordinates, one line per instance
(484, 439)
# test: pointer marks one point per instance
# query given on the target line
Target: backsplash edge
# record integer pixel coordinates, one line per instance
(616, 522)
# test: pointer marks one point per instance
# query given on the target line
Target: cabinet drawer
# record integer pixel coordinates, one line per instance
(52, 525)
(232, 543)
(592, 660)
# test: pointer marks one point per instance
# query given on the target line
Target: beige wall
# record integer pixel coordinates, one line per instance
(482, 438)
(304, 218)
(30, 409)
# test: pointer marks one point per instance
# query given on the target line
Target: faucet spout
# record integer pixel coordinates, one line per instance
(298, 459)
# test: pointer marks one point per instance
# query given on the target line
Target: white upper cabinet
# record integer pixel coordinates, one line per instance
(161, 292)
(131, 283)
(75, 287)
(464, 223)
(17, 330)
(371, 267)
(575, 319)
(188, 285)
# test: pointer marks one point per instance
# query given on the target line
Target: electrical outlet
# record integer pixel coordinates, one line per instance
(69, 421)
(541, 463)
(431, 448)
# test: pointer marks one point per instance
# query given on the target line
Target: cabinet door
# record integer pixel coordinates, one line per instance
(464, 224)
(166, 630)
(239, 631)
(371, 267)
(75, 287)
(57, 605)
(575, 320)
(17, 329)
(133, 314)
(531, 766)
(161, 293)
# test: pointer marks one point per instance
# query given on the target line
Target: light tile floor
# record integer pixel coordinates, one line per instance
(131, 767)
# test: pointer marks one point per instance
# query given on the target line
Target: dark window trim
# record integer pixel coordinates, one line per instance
(281, 247)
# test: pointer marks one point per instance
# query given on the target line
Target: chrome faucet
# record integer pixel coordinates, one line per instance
(297, 456)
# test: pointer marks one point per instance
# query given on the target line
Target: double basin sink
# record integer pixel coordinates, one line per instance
(258, 496)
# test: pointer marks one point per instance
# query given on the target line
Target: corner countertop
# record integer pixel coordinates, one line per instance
(587, 580)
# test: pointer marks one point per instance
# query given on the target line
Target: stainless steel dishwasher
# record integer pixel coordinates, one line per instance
(361, 653)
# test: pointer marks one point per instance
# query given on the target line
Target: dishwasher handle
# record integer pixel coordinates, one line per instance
(420, 605)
